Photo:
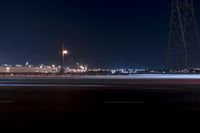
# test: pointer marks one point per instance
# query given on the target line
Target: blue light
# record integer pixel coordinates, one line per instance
(165, 76)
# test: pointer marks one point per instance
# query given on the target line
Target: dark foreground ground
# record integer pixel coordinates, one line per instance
(155, 106)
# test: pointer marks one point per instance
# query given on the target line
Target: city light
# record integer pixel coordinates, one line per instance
(8, 68)
(82, 67)
(65, 52)
(53, 66)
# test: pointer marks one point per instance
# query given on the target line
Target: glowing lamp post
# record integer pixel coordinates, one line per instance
(7, 69)
(63, 53)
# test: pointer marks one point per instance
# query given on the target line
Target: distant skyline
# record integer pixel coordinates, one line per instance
(100, 33)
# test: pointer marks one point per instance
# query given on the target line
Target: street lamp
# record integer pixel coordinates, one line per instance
(63, 53)
(8, 69)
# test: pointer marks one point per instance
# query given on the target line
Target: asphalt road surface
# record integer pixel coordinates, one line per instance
(95, 104)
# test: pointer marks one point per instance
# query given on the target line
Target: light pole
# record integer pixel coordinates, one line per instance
(63, 53)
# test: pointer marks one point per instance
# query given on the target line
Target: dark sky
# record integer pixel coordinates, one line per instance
(100, 33)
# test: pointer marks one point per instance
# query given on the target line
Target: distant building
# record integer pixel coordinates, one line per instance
(18, 65)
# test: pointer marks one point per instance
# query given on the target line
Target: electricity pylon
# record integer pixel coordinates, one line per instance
(184, 42)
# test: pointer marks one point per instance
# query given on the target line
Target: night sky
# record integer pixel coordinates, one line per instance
(100, 33)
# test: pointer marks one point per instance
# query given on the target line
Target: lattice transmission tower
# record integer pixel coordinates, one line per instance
(184, 41)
